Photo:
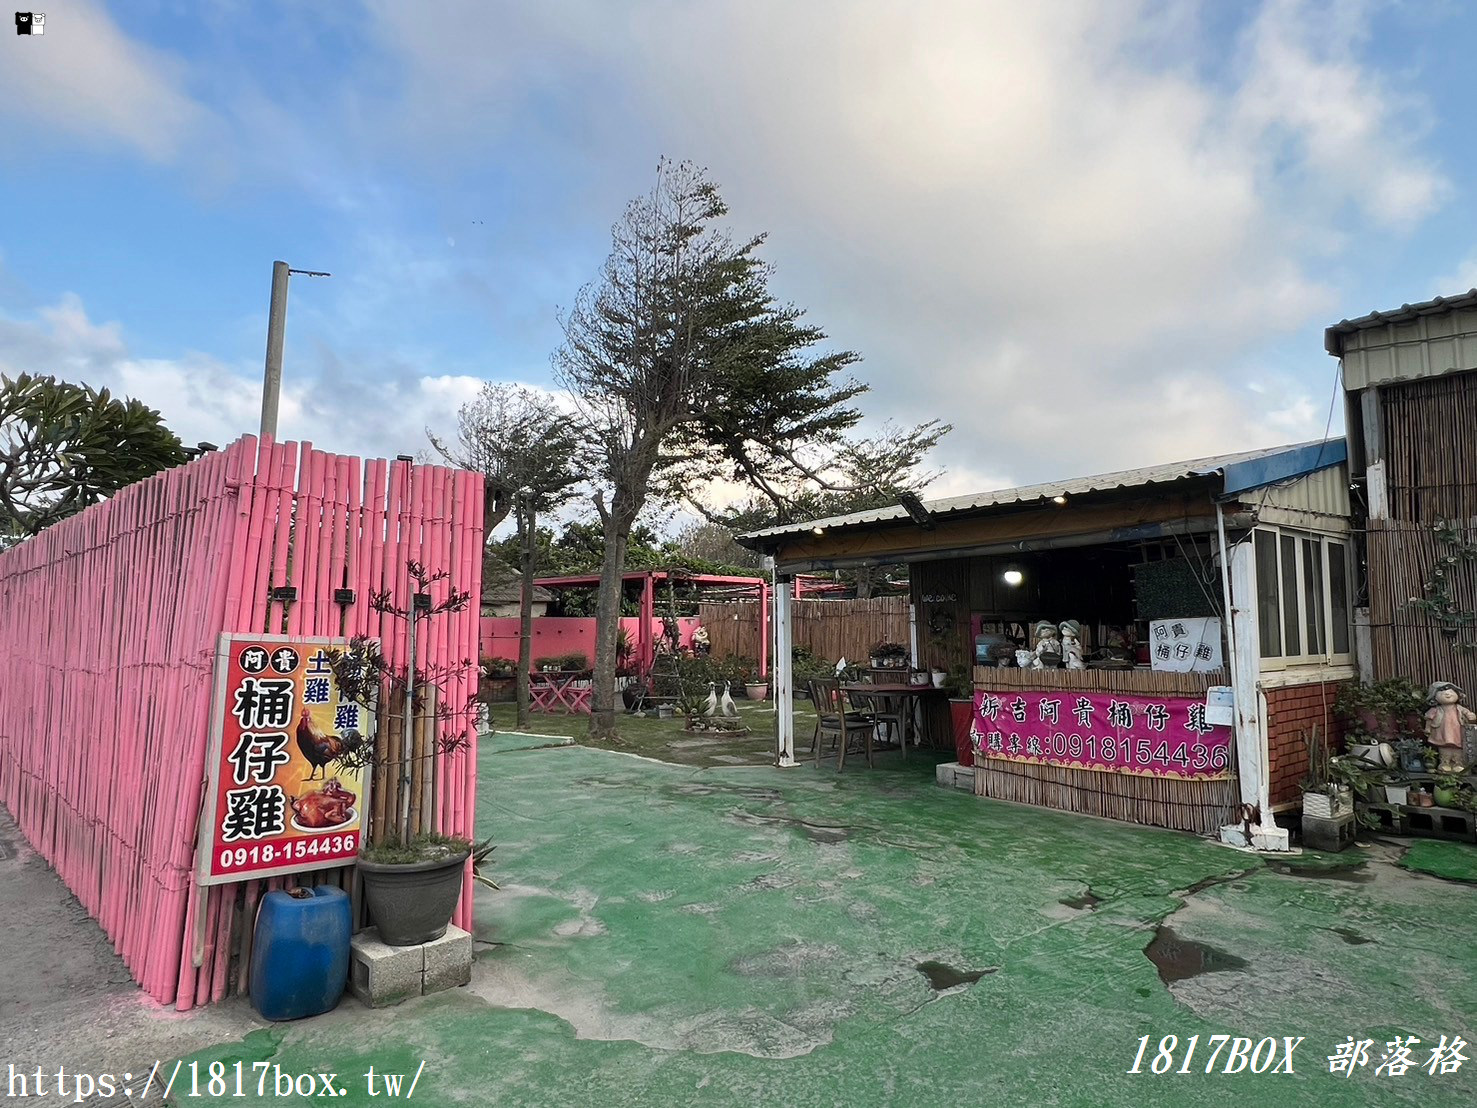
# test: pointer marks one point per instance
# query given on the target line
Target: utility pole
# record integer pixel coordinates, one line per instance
(276, 330)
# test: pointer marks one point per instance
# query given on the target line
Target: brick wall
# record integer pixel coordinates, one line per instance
(1291, 711)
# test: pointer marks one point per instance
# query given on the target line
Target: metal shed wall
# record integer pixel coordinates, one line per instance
(1319, 501)
(1426, 346)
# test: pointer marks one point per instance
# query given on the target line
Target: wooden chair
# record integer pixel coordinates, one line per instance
(834, 718)
(890, 711)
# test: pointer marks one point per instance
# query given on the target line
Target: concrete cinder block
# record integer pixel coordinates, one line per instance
(448, 961)
(1328, 834)
(952, 775)
(381, 975)
(1263, 837)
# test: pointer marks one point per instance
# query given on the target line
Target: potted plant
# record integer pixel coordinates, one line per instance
(1410, 754)
(1383, 712)
(1323, 796)
(1446, 790)
(804, 667)
(1466, 798)
(576, 662)
(412, 876)
(961, 711)
(498, 679)
(889, 655)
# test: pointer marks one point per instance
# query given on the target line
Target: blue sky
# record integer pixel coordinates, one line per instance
(1090, 235)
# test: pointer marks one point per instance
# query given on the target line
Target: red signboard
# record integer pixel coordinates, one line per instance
(287, 792)
(1153, 736)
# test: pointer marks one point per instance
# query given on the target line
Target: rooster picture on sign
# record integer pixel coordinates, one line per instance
(331, 805)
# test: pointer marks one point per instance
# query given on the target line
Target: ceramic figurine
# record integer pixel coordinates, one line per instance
(1048, 653)
(1024, 659)
(1445, 718)
(1072, 644)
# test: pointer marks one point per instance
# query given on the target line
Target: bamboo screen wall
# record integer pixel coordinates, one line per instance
(829, 629)
(108, 629)
(1407, 641)
(1141, 681)
(1430, 455)
(1430, 447)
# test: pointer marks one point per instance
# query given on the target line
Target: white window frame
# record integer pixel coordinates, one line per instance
(1326, 657)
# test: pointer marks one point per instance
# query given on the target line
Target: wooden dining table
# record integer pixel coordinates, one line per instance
(925, 706)
(550, 690)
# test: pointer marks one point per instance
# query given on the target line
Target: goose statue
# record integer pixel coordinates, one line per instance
(727, 706)
(710, 706)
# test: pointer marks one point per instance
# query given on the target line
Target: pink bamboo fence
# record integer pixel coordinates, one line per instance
(108, 630)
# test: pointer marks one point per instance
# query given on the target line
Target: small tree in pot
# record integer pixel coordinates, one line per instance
(412, 876)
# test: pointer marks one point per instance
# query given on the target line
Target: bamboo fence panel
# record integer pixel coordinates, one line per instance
(829, 629)
(1408, 641)
(108, 629)
(1199, 806)
(1142, 681)
(1429, 452)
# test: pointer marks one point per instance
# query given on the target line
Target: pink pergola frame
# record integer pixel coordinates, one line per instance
(645, 646)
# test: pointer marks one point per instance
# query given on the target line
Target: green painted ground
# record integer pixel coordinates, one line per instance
(665, 738)
(1454, 861)
(671, 935)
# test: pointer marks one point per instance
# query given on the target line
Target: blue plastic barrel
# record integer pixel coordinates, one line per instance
(300, 955)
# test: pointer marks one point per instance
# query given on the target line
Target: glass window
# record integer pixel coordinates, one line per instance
(1314, 610)
(1290, 632)
(1338, 596)
(1303, 595)
(1268, 608)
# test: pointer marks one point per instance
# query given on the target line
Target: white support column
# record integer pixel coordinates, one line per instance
(1252, 756)
(781, 671)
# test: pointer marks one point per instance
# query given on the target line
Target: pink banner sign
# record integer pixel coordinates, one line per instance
(1153, 736)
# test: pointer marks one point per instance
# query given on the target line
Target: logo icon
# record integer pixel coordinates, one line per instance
(30, 23)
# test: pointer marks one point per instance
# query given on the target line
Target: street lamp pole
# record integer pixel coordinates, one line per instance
(276, 331)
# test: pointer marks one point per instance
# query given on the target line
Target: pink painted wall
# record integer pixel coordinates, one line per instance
(565, 634)
(108, 628)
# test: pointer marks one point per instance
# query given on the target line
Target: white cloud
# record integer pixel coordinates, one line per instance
(1068, 229)
(87, 79)
(1040, 222)
(200, 398)
(1304, 88)
(1462, 279)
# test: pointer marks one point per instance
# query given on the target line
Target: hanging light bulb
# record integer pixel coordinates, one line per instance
(1013, 577)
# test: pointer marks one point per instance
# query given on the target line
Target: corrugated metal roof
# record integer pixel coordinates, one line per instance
(1332, 336)
(1325, 454)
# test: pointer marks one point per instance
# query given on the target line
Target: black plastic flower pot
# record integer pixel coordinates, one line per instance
(412, 902)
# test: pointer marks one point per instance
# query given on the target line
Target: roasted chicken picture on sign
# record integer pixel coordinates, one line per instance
(326, 807)
(321, 748)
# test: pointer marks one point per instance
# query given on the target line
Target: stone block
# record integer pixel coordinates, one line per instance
(1328, 834)
(381, 975)
(1263, 837)
(448, 961)
(952, 775)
